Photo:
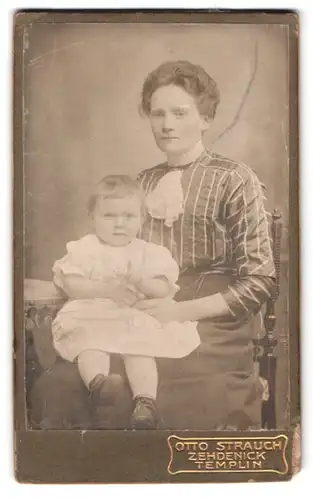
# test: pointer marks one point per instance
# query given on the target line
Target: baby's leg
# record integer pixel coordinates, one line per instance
(94, 367)
(143, 379)
(142, 374)
(92, 363)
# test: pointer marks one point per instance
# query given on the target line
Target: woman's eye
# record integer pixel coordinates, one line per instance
(157, 113)
(179, 113)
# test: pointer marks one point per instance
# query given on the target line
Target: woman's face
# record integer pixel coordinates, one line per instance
(176, 123)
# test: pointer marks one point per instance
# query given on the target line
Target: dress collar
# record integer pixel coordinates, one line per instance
(171, 168)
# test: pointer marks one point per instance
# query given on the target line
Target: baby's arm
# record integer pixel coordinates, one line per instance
(160, 283)
(79, 287)
(155, 287)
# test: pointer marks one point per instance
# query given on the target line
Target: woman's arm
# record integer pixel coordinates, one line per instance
(247, 224)
(166, 310)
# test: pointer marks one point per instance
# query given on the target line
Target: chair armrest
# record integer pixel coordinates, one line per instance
(42, 301)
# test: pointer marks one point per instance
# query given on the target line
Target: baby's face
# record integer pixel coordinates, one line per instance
(117, 220)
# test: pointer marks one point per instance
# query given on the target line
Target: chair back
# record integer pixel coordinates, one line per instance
(264, 352)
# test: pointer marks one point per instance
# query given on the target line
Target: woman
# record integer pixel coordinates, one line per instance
(209, 211)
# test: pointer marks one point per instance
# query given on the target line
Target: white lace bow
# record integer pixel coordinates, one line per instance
(166, 201)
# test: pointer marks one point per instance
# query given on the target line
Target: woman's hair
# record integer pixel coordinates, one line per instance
(114, 186)
(190, 77)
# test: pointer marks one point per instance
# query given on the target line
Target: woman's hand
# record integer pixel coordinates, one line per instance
(165, 310)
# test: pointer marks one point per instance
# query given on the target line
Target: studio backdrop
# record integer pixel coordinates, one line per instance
(82, 121)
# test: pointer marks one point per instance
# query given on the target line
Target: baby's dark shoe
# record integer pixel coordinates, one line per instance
(104, 389)
(103, 394)
(145, 415)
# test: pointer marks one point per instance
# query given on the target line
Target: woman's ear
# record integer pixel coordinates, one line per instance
(206, 122)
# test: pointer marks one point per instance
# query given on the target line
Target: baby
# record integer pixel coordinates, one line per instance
(104, 274)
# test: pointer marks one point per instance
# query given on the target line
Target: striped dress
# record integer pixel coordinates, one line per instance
(224, 228)
(222, 244)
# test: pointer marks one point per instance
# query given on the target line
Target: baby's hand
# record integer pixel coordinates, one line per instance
(124, 295)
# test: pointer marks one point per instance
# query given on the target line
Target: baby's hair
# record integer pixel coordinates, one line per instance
(114, 186)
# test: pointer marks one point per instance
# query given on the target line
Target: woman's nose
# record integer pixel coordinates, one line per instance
(168, 123)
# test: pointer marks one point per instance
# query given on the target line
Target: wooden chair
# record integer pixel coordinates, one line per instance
(43, 300)
(264, 347)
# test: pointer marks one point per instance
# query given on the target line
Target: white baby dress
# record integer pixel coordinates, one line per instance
(100, 324)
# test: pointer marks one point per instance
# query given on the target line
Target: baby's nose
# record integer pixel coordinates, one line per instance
(119, 221)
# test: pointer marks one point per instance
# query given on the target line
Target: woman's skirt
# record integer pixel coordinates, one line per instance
(216, 386)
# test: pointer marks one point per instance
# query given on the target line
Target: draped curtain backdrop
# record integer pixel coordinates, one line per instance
(82, 85)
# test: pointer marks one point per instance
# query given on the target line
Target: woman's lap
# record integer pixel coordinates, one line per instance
(209, 401)
(214, 387)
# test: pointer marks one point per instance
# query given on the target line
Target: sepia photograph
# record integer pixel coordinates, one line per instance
(156, 222)
(156, 175)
